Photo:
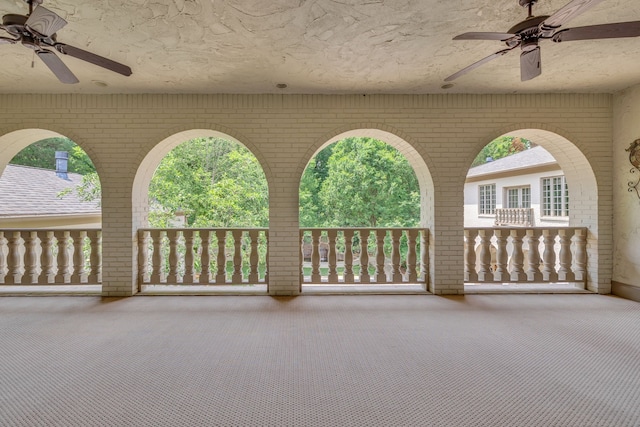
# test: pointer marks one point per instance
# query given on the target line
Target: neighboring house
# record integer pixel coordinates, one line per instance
(42, 198)
(527, 189)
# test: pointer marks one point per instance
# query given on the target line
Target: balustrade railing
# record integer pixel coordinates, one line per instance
(203, 256)
(534, 254)
(46, 257)
(364, 255)
(514, 216)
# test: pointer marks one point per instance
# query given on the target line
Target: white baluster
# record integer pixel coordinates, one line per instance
(302, 257)
(172, 276)
(95, 259)
(364, 256)
(316, 277)
(237, 257)
(266, 263)
(581, 254)
(564, 273)
(3, 256)
(189, 276)
(157, 259)
(205, 257)
(30, 276)
(14, 259)
(412, 274)
(348, 256)
(143, 256)
(470, 274)
(533, 241)
(424, 256)
(332, 235)
(396, 274)
(380, 258)
(254, 258)
(79, 273)
(484, 272)
(549, 255)
(63, 275)
(221, 261)
(502, 258)
(517, 257)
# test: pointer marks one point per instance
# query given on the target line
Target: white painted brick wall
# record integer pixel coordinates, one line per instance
(127, 135)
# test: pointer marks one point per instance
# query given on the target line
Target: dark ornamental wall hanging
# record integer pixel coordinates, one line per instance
(634, 158)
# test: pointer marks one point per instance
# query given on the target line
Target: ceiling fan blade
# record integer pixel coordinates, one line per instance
(55, 64)
(604, 31)
(568, 12)
(45, 22)
(93, 58)
(530, 66)
(484, 36)
(6, 40)
(476, 65)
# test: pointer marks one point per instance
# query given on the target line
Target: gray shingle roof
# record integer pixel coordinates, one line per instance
(27, 191)
(536, 156)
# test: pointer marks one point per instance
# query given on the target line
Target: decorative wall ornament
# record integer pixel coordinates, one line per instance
(634, 158)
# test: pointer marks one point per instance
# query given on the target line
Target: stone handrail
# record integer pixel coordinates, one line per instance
(532, 254)
(514, 216)
(191, 256)
(45, 257)
(335, 255)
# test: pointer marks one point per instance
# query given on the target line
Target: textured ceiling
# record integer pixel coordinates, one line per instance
(316, 46)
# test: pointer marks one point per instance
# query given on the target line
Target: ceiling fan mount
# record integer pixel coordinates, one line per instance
(527, 35)
(37, 31)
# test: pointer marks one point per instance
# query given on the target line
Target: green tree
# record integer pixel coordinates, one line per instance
(501, 147)
(217, 183)
(41, 154)
(367, 184)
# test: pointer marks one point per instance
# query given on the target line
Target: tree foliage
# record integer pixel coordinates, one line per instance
(359, 182)
(41, 154)
(356, 182)
(501, 147)
(217, 183)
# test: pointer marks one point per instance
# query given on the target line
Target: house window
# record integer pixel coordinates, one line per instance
(487, 199)
(555, 196)
(518, 197)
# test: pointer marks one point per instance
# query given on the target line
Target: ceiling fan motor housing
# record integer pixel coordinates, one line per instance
(14, 24)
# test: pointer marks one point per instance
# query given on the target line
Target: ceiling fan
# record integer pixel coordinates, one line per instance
(37, 31)
(528, 33)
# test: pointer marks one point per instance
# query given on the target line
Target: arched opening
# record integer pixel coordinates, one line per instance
(50, 213)
(365, 200)
(526, 214)
(206, 216)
